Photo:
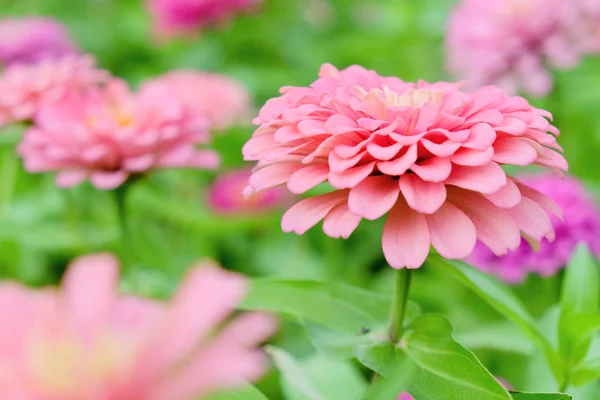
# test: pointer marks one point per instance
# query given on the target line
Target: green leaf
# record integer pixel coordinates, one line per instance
(293, 374)
(333, 344)
(581, 287)
(579, 306)
(588, 372)
(539, 396)
(397, 379)
(504, 301)
(500, 336)
(576, 331)
(340, 345)
(340, 307)
(445, 368)
(327, 374)
(246, 393)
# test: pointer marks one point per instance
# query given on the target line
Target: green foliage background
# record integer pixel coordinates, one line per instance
(42, 228)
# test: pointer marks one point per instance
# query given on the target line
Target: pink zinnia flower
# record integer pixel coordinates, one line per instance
(581, 224)
(183, 17)
(223, 100)
(109, 134)
(87, 342)
(31, 40)
(226, 195)
(26, 88)
(427, 155)
(512, 43)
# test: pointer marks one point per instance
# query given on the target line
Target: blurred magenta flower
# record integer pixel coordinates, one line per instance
(427, 155)
(87, 342)
(184, 17)
(108, 134)
(513, 43)
(226, 195)
(223, 100)
(581, 223)
(405, 396)
(31, 40)
(26, 88)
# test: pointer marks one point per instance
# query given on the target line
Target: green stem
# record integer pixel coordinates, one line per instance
(9, 170)
(403, 277)
(120, 195)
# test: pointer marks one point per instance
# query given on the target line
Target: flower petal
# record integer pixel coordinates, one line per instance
(307, 178)
(531, 219)
(487, 178)
(514, 151)
(507, 197)
(374, 196)
(433, 170)
(108, 180)
(340, 222)
(405, 240)
(453, 233)
(401, 164)
(273, 175)
(424, 197)
(307, 213)
(351, 177)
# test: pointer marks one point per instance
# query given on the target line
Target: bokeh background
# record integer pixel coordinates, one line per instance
(170, 222)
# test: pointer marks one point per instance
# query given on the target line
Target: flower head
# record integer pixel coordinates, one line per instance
(512, 43)
(224, 101)
(182, 17)
(108, 134)
(581, 224)
(427, 155)
(24, 89)
(31, 40)
(87, 342)
(226, 194)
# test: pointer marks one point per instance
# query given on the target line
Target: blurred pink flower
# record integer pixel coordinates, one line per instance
(86, 342)
(427, 155)
(581, 224)
(184, 17)
(31, 40)
(26, 88)
(108, 134)
(226, 194)
(513, 43)
(223, 100)
(405, 396)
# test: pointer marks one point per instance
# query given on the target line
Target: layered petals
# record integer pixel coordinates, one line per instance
(397, 148)
(107, 134)
(122, 347)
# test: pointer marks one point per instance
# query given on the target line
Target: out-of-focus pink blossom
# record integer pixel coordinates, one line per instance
(87, 342)
(108, 134)
(31, 40)
(580, 224)
(513, 43)
(405, 396)
(24, 89)
(427, 156)
(223, 100)
(185, 17)
(226, 195)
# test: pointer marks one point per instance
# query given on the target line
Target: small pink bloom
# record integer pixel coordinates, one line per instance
(226, 195)
(224, 101)
(405, 396)
(580, 224)
(31, 40)
(26, 88)
(184, 17)
(426, 155)
(87, 342)
(513, 43)
(108, 134)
